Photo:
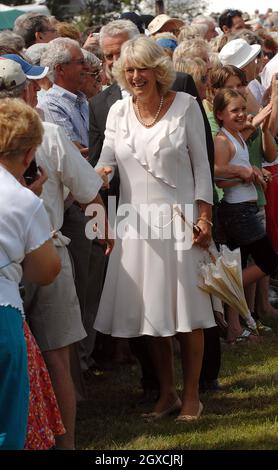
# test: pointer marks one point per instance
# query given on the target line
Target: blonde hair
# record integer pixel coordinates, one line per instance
(195, 67)
(143, 52)
(191, 49)
(68, 30)
(222, 99)
(188, 32)
(20, 128)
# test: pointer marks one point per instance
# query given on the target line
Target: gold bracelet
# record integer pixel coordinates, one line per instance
(205, 220)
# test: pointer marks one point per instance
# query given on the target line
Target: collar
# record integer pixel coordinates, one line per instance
(68, 94)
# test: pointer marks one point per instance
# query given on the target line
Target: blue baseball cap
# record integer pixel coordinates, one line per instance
(32, 72)
(167, 43)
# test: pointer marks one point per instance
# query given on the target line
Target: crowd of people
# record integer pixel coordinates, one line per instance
(125, 155)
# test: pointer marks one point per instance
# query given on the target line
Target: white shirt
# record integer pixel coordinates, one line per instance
(65, 166)
(269, 70)
(24, 226)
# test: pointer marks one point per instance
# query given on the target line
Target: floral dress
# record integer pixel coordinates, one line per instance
(44, 419)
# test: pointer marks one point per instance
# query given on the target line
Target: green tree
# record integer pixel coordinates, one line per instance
(59, 8)
(16, 2)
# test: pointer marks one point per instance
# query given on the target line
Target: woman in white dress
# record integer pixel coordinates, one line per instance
(156, 137)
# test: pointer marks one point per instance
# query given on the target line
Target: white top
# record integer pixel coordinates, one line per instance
(242, 192)
(257, 90)
(65, 166)
(24, 226)
(151, 285)
(269, 70)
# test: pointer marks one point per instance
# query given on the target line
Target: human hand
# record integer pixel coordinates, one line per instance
(41, 178)
(267, 175)
(246, 174)
(261, 117)
(104, 172)
(92, 40)
(84, 152)
(258, 177)
(202, 233)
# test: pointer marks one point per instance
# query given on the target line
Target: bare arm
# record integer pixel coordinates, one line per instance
(107, 239)
(268, 142)
(223, 168)
(273, 121)
(42, 265)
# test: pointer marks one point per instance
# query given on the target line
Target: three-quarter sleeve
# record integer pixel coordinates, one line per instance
(197, 149)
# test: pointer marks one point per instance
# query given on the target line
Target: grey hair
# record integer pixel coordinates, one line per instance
(35, 52)
(145, 52)
(116, 27)
(28, 24)
(201, 19)
(15, 92)
(58, 52)
(91, 58)
(10, 39)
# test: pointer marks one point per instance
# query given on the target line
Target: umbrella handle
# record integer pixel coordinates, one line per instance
(196, 230)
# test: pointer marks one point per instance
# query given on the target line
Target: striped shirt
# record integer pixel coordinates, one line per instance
(69, 111)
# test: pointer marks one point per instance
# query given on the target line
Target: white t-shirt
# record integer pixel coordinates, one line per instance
(65, 166)
(24, 226)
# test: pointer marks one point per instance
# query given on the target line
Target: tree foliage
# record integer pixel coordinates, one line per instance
(12, 3)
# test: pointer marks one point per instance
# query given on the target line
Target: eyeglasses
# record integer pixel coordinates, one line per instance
(94, 74)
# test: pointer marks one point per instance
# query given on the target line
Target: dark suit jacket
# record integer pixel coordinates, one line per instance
(100, 104)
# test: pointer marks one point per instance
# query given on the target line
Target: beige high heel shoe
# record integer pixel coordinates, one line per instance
(189, 418)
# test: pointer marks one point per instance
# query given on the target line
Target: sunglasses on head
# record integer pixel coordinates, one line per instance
(232, 13)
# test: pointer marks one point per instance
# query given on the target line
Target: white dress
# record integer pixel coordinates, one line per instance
(151, 286)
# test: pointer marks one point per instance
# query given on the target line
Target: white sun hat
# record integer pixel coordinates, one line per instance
(238, 53)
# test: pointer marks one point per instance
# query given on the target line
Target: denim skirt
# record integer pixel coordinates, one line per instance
(240, 223)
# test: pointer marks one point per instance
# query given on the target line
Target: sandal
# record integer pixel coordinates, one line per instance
(247, 335)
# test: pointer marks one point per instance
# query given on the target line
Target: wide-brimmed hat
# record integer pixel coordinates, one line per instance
(156, 24)
(238, 53)
(11, 74)
(31, 71)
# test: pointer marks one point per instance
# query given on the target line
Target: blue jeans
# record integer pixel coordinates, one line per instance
(14, 381)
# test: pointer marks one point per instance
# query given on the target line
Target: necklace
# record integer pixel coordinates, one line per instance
(136, 104)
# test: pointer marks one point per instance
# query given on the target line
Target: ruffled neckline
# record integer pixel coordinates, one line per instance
(150, 156)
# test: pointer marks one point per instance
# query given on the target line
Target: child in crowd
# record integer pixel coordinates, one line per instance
(238, 209)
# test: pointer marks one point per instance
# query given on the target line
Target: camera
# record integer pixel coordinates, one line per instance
(31, 173)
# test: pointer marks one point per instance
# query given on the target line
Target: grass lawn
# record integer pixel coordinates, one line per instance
(243, 416)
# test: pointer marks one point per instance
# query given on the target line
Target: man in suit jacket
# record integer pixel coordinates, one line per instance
(100, 104)
(99, 107)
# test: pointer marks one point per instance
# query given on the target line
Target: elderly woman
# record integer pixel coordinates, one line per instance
(156, 137)
(25, 247)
